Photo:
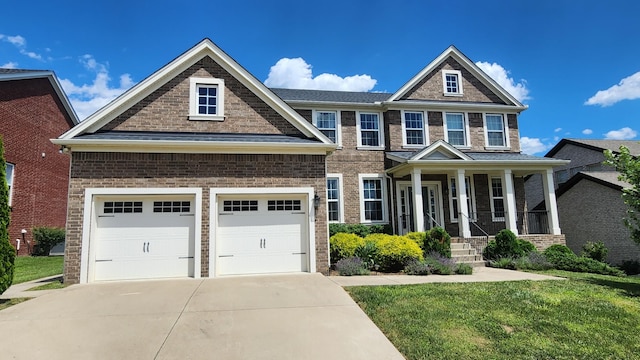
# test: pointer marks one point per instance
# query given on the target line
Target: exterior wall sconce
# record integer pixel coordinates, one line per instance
(316, 201)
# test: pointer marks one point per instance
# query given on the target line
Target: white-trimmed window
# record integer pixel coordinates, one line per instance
(372, 198)
(414, 130)
(452, 82)
(335, 207)
(329, 123)
(496, 131)
(369, 128)
(206, 99)
(456, 129)
(453, 198)
(9, 175)
(497, 199)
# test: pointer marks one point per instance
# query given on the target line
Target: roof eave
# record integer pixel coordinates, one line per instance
(310, 104)
(446, 105)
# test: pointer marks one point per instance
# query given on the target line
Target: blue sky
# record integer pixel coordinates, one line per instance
(576, 64)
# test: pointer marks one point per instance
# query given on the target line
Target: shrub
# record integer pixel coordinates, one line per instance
(394, 251)
(7, 252)
(533, 261)
(630, 267)
(587, 265)
(463, 269)
(440, 264)
(595, 250)
(508, 245)
(342, 245)
(359, 229)
(557, 251)
(437, 240)
(367, 252)
(351, 266)
(418, 238)
(46, 238)
(503, 263)
(417, 267)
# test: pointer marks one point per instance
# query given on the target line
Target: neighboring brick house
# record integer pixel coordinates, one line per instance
(33, 110)
(589, 198)
(201, 170)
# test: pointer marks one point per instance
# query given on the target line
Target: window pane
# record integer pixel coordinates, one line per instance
(372, 189)
(332, 189)
(373, 210)
(331, 134)
(334, 212)
(455, 121)
(207, 100)
(9, 173)
(494, 122)
(456, 137)
(413, 120)
(496, 187)
(414, 137)
(369, 121)
(498, 207)
(495, 139)
(370, 138)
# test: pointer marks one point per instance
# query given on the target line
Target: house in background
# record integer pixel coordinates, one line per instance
(589, 198)
(201, 170)
(34, 109)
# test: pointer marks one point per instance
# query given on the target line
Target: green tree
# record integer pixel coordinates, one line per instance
(629, 168)
(7, 253)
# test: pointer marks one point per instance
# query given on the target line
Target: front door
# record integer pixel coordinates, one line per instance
(431, 205)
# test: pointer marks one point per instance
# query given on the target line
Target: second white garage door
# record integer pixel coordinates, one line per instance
(257, 235)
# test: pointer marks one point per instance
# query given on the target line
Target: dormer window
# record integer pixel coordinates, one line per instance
(452, 82)
(206, 99)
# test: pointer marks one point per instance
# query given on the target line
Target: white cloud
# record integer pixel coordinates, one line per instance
(557, 130)
(625, 133)
(87, 98)
(9, 65)
(532, 145)
(21, 43)
(501, 76)
(587, 131)
(627, 89)
(16, 40)
(297, 74)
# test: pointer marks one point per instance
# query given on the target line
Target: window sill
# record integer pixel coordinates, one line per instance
(462, 147)
(453, 94)
(414, 146)
(370, 147)
(497, 148)
(206, 117)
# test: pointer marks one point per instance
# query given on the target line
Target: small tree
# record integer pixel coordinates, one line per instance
(7, 253)
(629, 168)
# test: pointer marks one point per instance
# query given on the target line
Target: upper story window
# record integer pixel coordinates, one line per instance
(496, 131)
(329, 123)
(334, 198)
(9, 176)
(414, 129)
(206, 99)
(456, 129)
(370, 134)
(452, 82)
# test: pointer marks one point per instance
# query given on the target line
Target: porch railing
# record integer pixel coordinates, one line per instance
(528, 222)
(478, 242)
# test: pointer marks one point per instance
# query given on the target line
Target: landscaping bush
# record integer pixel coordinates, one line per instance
(367, 252)
(463, 269)
(46, 238)
(7, 252)
(417, 267)
(351, 266)
(437, 240)
(394, 251)
(342, 245)
(557, 251)
(503, 263)
(533, 261)
(439, 263)
(563, 258)
(630, 267)
(359, 229)
(508, 245)
(595, 250)
(418, 238)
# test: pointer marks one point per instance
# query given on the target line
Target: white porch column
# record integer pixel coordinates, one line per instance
(418, 211)
(510, 213)
(463, 217)
(550, 202)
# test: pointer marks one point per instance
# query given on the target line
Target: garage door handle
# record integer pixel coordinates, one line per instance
(225, 255)
(298, 253)
(145, 247)
(185, 257)
(104, 260)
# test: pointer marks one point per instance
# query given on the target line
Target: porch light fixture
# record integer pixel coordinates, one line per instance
(316, 201)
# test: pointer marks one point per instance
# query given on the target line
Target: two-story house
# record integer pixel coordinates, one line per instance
(201, 170)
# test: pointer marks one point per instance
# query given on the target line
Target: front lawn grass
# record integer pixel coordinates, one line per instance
(35, 267)
(586, 317)
(5, 303)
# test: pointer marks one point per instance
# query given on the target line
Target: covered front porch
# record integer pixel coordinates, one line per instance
(469, 194)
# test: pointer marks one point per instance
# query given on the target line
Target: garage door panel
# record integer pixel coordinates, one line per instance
(259, 264)
(130, 269)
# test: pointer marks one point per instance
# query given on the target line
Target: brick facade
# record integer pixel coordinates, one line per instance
(31, 113)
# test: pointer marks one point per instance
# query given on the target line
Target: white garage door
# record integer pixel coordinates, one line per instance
(142, 238)
(257, 235)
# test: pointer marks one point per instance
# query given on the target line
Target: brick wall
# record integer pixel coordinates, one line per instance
(131, 170)
(593, 212)
(30, 114)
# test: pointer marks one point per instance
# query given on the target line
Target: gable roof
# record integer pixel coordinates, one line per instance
(25, 74)
(598, 145)
(147, 86)
(440, 150)
(605, 178)
(463, 60)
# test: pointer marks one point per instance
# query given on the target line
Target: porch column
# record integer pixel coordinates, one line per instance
(510, 213)
(418, 211)
(550, 202)
(463, 217)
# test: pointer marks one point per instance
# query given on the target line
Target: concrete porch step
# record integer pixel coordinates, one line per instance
(460, 246)
(466, 258)
(456, 252)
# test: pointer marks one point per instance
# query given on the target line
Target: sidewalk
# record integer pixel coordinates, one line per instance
(480, 274)
(21, 290)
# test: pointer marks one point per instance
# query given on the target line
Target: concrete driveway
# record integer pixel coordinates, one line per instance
(302, 316)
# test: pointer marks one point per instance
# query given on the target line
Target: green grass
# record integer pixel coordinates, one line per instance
(55, 284)
(5, 303)
(587, 317)
(35, 267)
